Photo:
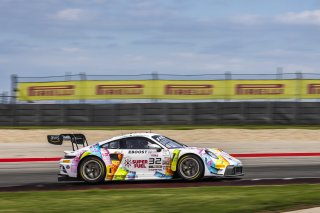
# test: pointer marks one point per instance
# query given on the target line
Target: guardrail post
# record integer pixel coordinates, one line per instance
(14, 82)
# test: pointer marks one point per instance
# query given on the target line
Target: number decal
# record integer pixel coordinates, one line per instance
(154, 161)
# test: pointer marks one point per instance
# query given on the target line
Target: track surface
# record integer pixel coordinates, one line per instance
(26, 176)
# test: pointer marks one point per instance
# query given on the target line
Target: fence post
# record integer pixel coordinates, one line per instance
(2, 98)
(6, 96)
(227, 78)
(83, 88)
(279, 73)
(298, 96)
(14, 82)
(155, 77)
(298, 85)
(67, 77)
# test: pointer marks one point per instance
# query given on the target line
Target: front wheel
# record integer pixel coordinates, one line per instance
(92, 170)
(190, 167)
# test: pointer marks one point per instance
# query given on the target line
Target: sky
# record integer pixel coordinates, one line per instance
(54, 37)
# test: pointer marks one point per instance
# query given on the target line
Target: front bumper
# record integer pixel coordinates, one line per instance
(232, 171)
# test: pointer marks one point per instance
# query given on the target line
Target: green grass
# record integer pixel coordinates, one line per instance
(195, 200)
(168, 127)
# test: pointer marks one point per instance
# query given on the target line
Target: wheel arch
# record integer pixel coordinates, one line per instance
(197, 156)
(88, 156)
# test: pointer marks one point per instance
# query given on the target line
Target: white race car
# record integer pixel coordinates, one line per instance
(141, 156)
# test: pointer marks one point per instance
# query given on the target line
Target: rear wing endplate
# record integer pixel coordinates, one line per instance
(75, 139)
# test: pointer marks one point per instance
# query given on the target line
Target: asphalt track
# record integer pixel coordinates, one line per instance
(258, 171)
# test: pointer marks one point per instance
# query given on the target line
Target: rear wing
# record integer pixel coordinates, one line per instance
(75, 139)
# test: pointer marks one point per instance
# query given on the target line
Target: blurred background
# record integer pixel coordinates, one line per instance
(142, 40)
(166, 62)
(162, 99)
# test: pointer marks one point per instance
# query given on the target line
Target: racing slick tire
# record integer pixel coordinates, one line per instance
(190, 167)
(92, 170)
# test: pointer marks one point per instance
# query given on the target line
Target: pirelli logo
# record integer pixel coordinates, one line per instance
(121, 89)
(195, 89)
(65, 90)
(314, 89)
(259, 89)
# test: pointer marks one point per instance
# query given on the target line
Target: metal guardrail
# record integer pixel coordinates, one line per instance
(211, 113)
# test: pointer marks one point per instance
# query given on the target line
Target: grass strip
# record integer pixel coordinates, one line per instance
(167, 127)
(199, 199)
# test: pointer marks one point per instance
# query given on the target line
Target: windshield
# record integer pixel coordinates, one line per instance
(167, 142)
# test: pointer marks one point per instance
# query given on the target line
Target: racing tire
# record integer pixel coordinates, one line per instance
(92, 170)
(190, 167)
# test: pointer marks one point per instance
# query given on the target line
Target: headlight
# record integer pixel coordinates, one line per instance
(211, 154)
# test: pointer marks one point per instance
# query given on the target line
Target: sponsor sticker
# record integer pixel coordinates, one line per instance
(137, 151)
(129, 163)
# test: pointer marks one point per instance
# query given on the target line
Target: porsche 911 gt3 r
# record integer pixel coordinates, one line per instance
(142, 156)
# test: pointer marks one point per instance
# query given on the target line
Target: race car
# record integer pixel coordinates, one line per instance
(141, 156)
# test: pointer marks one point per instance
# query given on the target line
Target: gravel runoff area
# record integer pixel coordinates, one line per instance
(25, 143)
(196, 135)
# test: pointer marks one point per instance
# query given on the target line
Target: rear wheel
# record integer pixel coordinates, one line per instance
(92, 170)
(190, 167)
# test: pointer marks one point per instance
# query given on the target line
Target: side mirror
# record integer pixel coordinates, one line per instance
(155, 146)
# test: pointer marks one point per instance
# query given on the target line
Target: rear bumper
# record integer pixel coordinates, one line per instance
(65, 178)
(233, 171)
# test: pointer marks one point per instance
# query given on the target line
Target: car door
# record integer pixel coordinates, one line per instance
(141, 160)
(112, 156)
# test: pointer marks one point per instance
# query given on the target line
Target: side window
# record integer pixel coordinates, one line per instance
(136, 143)
(112, 145)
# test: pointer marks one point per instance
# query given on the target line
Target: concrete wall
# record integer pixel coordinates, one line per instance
(160, 114)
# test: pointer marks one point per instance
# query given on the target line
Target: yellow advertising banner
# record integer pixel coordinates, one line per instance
(170, 89)
(76, 90)
(33, 91)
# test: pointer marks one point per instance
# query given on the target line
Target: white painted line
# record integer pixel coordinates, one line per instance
(289, 178)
